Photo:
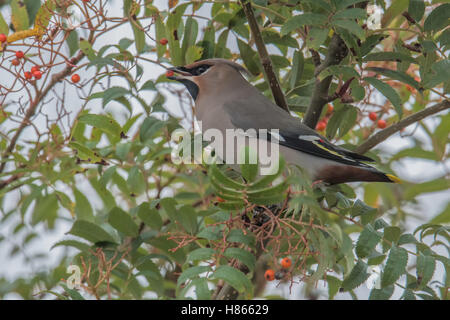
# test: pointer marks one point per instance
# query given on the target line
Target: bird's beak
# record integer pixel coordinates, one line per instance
(178, 73)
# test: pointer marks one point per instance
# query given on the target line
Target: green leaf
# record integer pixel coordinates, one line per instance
(233, 277)
(392, 234)
(151, 217)
(73, 42)
(123, 222)
(367, 241)
(352, 13)
(395, 266)
(86, 48)
(83, 208)
(438, 18)
(316, 37)
(200, 254)
(357, 276)
(160, 31)
(388, 92)
(187, 216)
(149, 128)
(381, 294)
(139, 35)
(342, 120)
(249, 164)
(416, 9)
(44, 14)
(298, 63)
(3, 25)
(249, 57)
(397, 75)
(190, 36)
(19, 15)
(192, 273)
(237, 235)
(83, 247)
(389, 56)
(425, 269)
(242, 255)
(350, 26)
(301, 20)
(102, 122)
(193, 53)
(45, 210)
(342, 4)
(136, 181)
(90, 231)
(113, 93)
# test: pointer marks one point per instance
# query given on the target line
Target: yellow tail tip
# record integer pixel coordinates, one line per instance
(394, 178)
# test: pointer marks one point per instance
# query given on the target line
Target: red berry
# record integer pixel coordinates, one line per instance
(286, 263)
(35, 68)
(269, 275)
(163, 41)
(169, 73)
(28, 75)
(373, 116)
(19, 54)
(321, 125)
(219, 199)
(75, 78)
(3, 37)
(381, 124)
(37, 74)
(15, 62)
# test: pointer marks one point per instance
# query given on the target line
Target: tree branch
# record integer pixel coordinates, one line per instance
(386, 133)
(336, 52)
(271, 77)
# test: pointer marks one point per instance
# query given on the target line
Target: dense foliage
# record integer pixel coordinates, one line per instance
(85, 144)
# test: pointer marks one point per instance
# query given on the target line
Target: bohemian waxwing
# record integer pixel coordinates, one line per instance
(225, 100)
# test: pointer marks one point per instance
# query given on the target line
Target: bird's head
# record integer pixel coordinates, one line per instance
(206, 75)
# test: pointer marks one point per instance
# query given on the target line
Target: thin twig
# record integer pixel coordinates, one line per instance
(386, 133)
(271, 77)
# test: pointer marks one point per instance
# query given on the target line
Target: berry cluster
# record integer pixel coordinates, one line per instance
(271, 275)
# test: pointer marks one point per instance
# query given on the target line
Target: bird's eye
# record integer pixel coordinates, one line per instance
(202, 69)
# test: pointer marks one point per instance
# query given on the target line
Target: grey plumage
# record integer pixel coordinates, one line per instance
(224, 99)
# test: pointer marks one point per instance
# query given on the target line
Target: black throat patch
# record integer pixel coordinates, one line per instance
(191, 86)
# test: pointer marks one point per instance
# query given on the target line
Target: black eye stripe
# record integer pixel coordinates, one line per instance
(199, 70)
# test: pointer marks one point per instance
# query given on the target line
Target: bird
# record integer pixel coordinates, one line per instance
(224, 99)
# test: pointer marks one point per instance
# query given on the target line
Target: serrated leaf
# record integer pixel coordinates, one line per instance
(102, 122)
(86, 48)
(3, 25)
(438, 18)
(249, 164)
(192, 273)
(242, 255)
(193, 53)
(298, 21)
(350, 26)
(351, 13)
(44, 14)
(200, 254)
(233, 277)
(381, 294)
(425, 267)
(72, 243)
(112, 93)
(395, 266)
(397, 75)
(357, 276)
(367, 241)
(123, 222)
(90, 231)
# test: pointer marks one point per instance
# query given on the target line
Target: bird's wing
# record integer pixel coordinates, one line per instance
(292, 133)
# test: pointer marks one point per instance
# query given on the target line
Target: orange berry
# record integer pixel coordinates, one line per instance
(35, 68)
(330, 108)
(286, 263)
(169, 73)
(381, 124)
(19, 54)
(75, 78)
(3, 37)
(269, 275)
(15, 62)
(219, 199)
(37, 74)
(373, 116)
(163, 41)
(321, 125)
(28, 75)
